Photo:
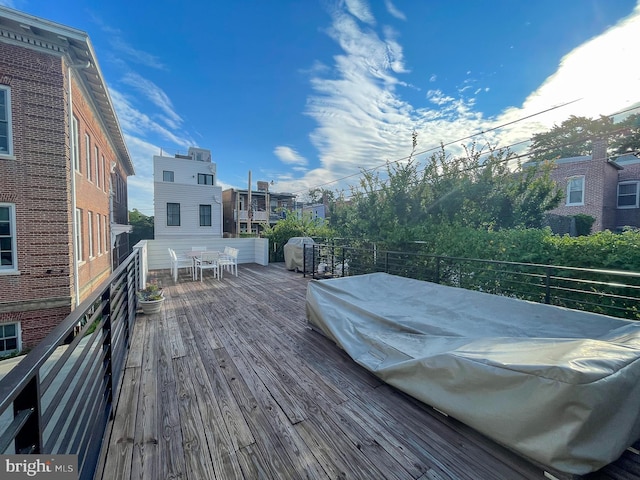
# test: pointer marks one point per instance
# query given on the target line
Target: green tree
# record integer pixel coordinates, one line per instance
(142, 227)
(478, 190)
(318, 194)
(574, 137)
(293, 225)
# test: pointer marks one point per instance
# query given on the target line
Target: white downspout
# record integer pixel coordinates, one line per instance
(74, 225)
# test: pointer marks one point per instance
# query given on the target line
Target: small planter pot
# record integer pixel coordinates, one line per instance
(151, 306)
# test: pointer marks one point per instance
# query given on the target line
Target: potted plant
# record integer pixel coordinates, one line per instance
(150, 299)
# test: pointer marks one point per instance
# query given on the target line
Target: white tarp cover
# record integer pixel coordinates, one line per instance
(559, 386)
(294, 251)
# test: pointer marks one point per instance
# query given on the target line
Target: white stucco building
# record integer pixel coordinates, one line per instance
(187, 200)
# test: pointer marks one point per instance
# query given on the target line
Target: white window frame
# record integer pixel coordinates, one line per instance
(14, 241)
(7, 90)
(75, 143)
(87, 147)
(98, 235)
(18, 337)
(79, 253)
(90, 233)
(105, 232)
(637, 202)
(96, 174)
(165, 174)
(104, 176)
(569, 181)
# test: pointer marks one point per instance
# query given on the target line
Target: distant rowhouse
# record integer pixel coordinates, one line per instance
(187, 199)
(248, 211)
(63, 177)
(603, 187)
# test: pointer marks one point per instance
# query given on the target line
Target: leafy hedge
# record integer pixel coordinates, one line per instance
(605, 250)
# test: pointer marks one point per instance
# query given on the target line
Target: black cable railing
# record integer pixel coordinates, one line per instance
(59, 397)
(610, 292)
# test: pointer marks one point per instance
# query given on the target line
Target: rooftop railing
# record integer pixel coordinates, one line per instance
(610, 292)
(60, 396)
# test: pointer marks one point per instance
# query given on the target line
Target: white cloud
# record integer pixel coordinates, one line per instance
(600, 72)
(136, 56)
(393, 10)
(289, 155)
(360, 9)
(362, 121)
(8, 4)
(156, 95)
(126, 51)
(139, 124)
(438, 97)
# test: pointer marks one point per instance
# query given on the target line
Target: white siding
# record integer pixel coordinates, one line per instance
(186, 191)
(250, 250)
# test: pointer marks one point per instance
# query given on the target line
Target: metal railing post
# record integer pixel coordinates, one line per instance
(29, 438)
(107, 346)
(547, 286)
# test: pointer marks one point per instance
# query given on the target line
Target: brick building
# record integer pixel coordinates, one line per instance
(606, 188)
(63, 177)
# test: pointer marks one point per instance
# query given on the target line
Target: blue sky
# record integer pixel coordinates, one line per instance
(307, 93)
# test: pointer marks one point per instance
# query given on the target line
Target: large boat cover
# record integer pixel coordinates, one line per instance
(559, 386)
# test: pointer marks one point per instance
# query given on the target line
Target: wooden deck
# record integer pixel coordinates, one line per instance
(230, 382)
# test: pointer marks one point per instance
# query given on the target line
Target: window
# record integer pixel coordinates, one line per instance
(9, 337)
(98, 236)
(75, 144)
(6, 147)
(205, 215)
(78, 235)
(628, 194)
(8, 258)
(90, 232)
(205, 179)
(97, 174)
(87, 146)
(575, 191)
(173, 214)
(167, 176)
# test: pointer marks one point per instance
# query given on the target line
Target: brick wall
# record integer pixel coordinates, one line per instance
(92, 195)
(593, 173)
(601, 189)
(38, 181)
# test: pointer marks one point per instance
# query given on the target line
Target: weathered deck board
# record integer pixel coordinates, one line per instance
(146, 458)
(229, 381)
(172, 457)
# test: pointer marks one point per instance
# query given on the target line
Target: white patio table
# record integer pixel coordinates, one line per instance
(195, 254)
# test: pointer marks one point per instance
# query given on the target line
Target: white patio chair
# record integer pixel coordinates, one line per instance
(229, 260)
(209, 261)
(178, 262)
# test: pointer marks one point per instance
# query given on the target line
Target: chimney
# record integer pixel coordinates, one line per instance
(599, 149)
